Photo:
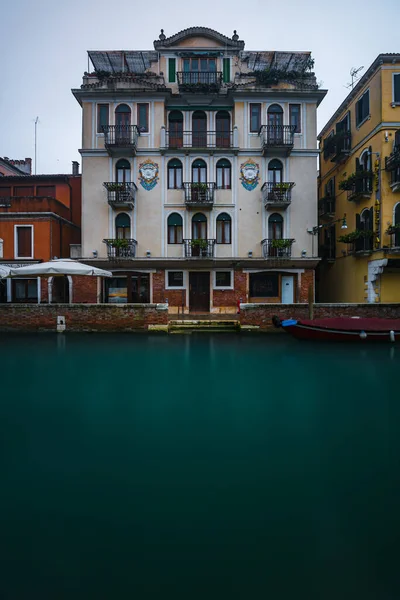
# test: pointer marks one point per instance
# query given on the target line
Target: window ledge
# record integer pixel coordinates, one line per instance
(367, 118)
(226, 288)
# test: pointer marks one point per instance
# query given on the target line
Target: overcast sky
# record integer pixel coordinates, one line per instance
(43, 46)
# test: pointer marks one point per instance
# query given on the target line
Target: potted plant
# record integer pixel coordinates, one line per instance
(393, 229)
(199, 191)
(199, 247)
(280, 247)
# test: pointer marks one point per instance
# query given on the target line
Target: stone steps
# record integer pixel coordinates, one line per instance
(210, 326)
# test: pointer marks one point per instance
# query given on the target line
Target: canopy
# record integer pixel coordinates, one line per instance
(4, 271)
(63, 266)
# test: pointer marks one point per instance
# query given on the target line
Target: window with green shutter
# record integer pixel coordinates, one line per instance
(171, 70)
(227, 70)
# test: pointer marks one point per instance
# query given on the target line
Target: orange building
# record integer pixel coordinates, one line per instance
(40, 218)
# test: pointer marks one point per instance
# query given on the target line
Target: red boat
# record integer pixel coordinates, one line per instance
(343, 329)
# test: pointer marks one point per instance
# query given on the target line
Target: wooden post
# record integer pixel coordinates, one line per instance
(310, 302)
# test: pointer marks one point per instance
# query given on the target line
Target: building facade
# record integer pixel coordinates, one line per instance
(40, 217)
(9, 166)
(360, 178)
(199, 170)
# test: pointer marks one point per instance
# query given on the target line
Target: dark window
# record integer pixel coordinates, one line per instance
(171, 70)
(223, 174)
(102, 117)
(123, 171)
(5, 192)
(46, 191)
(224, 229)
(199, 129)
(175, 229)
(175, 126)
(174, 174)
(275, 226)
(396, 88)
(202, 64)
(122, 227)
(223, 129)
(122, 121)
(362, 108)
(255, 118)
(143, 117)
(199, 171)
(264, 285)
(275, 170)
(24, 290)
(23, 191)
(227, 70)
(24, 242)
(223, 279)
(295, 116)
(199, 227)
(175, 278)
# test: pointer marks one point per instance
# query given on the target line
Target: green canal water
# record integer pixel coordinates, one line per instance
(198, 467)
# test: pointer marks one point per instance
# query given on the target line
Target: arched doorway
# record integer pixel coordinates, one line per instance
(60, 290)
(175, 128)
(275, 170)
(199, 171)
(122, 124)
(122, 227)
(199, 227)
(223, 129)
(199, 129)
(123, 171)
(275, 124)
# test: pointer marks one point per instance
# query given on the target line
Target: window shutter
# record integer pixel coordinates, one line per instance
(371, 218)
(227, 70)
(366, 112)
(358, 166)
(24, 242)
(171, 70)
(358, 221)
(396, 88)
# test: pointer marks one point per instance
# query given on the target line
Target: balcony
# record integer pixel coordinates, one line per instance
(360, 187)
(199, 81)
(327, 207)
(394, 232)
(392, 165)
(363, 246)
(276, 139)
(199, 195)
(199, 248)
(120, 139)
(121, 248)
(200, 140)
(337, 147)
(277, 195)
(121, 195)
(277, 248)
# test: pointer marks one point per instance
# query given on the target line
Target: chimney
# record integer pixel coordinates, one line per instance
(75, 167)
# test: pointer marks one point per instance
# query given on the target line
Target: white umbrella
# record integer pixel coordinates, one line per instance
(62, 266)
(4, 271)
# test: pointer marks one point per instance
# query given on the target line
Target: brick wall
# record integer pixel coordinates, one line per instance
(82, 317)
(307, 280)
(232, 297)
(84, 289)
(261, 314)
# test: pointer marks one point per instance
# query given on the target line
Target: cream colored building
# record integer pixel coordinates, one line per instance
(199, 172)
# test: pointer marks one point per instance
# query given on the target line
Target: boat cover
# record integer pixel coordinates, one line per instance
(354, 324)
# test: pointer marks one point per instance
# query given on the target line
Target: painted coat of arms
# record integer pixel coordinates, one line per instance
(148, 174)
(249, 175)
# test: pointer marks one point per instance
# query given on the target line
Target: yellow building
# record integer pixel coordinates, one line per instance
(360, 179)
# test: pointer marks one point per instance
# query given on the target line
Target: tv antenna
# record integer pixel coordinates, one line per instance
(354, 77)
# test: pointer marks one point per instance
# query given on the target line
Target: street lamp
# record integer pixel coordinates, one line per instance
(314, 230)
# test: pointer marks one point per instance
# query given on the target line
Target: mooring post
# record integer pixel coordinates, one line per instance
(310, 302)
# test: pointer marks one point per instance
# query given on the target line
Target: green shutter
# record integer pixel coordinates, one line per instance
(227, 70)
(171, 70)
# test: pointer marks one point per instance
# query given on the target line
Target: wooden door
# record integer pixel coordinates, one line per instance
(199, 291)
(140, 288)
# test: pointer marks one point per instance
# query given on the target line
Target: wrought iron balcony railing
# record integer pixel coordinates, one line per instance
(121, 248)
(199, 194)
(199, 248)
(363, 245)
(272, 248)
(337, 146)
(361, 187)
(327, 206)
(275, 138)
(393, 160)
(328, 252)
(199, 81)
(121, 195)
(277, 195)
(199, 139)
(120, 137)
(394, 233)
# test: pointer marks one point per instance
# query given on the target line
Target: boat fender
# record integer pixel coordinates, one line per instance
(288, 322)
(392, 336)
(276, 321)
(363, 335)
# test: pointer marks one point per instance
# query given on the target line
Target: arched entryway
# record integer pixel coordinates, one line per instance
(60, 289)
(175, 129)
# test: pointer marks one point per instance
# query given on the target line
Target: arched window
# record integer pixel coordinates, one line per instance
(365, 160)
(175, 128)
(224, 228)
(175, 229)
(275, 227)
(122, 227)
(122, 124)
(199, 129)
(174, 174)
(275, 170)
(123, 171)
(223, 129)
(275, 124)
(199, 227)
(199, 171)
(223, 174)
